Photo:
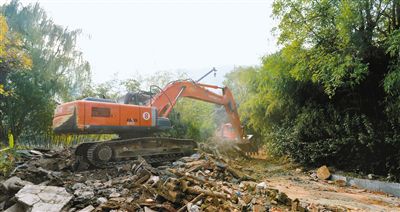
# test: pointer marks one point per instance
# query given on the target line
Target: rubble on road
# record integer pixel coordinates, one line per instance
(323, 173)
(201, 182)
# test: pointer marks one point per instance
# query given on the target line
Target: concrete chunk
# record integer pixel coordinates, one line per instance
(14, 184)
(43, 198)
(28, 199)
(41, 206)
(89, 208)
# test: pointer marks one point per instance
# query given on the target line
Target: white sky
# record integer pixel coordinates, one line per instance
(138, 36)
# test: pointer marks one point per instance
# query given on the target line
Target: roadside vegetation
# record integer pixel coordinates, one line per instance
(331, 95)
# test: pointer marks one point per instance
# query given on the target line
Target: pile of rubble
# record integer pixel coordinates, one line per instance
(44, 181)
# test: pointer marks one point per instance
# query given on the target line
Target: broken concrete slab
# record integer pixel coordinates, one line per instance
(43, 198)
(372, 185)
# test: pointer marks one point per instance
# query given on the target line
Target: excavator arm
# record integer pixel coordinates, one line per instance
(166, 99)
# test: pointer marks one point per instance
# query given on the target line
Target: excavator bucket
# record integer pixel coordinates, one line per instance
(248, 147)
(226, 147)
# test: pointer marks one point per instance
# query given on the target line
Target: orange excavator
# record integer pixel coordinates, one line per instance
(136, 118)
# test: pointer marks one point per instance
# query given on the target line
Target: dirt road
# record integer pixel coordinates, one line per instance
(295, 184)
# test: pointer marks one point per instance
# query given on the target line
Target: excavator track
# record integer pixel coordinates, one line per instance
(103, 154)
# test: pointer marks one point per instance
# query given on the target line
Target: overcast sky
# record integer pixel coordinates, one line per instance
(145, 36)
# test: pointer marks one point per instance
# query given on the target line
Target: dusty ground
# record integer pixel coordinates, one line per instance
(299, 184)
(200, 182)
(121, 190)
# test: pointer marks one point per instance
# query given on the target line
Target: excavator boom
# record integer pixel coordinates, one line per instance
(165, 101)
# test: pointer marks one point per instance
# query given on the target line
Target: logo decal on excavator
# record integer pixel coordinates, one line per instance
(146, 116)
(131, 121)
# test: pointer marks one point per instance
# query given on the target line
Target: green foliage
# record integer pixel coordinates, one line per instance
(348, 141)
(238, 80)
(109, 89)
(351, 48)
(57, 70)
(193, 119)
(392, 79)
(29, 109)
(52, 49)
(321, 40)
(115, 88)
(331, 95)
(12, 54)
(298, 119)
(131, 85)
(13, 59)
(7, 161)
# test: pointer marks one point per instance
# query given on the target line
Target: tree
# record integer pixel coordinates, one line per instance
(13, 58)
(131, 85)
(113, 88)
(52, 48)
(239, 81)
(58, 70)
(12, 55)
(331, 95)
(348, 47)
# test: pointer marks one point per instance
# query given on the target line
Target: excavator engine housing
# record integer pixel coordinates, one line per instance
(96, 116)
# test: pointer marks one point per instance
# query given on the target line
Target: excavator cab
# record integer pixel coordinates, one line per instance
(136, 98)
